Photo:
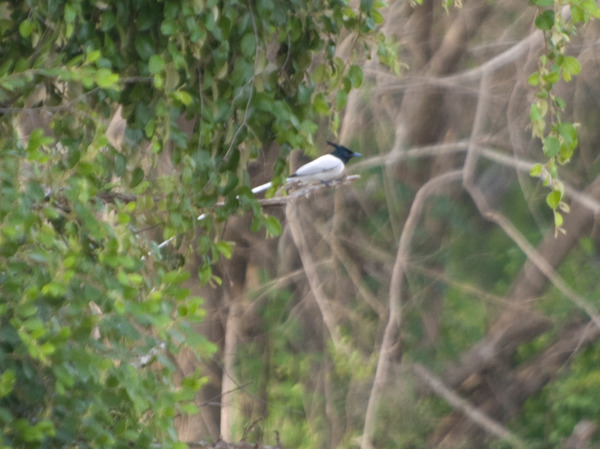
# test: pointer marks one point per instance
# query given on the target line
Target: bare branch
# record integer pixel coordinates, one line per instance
(540, 262)
(534, 40)
(390, 342)
(481, 203)
(397, 155)
(228, 382)
(460, 404)
(306, 190)
(312, 275)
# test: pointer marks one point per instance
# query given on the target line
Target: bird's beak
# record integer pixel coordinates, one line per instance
(357, 155)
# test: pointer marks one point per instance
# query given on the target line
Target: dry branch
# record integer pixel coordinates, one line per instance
(533, 41)
(500, 392)
(312, 274)
(306, 190)
(391, 335)
(398, 155)
(511, 231)
(472, 412)
(497, 392)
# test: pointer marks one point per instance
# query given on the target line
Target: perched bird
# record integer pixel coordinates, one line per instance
(325, 168)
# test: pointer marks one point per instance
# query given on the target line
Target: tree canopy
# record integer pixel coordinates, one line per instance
(86, 294)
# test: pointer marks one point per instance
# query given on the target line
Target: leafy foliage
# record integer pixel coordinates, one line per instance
(78, 310)
(559, 138)
(86, 298)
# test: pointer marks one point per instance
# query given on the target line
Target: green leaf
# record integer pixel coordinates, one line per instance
(366, 5)
(320, 104)
(536, 170)
(37, 140)
(551, 146)
(355, 74)
(273, 226)
(168, 27)
(155, 64)
(551, 77)
(321, 73)
(26, 28)
(560, 103)
(7, 382)
(93, 56)
(568, 133)
(150, 128)
(136, 177)
(570, 66)
(224, 248)
(145, 45)
(176, 277)
(108, 20)
(341, 99)
(248, 45)
(534, 79)
(542, 3)
(54, 289)
(558, 219)
(69, 13)
(545, 21)
(35, 327)
(583, 11)
(535, 113)
(578, 14)
(106, 79)
(377, 17)
(553, 198)
(183, 97)
(591, 7)
(204, 274)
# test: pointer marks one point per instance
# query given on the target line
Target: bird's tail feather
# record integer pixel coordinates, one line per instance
(262, 187)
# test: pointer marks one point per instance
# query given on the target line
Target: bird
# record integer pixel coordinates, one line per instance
(325, 168)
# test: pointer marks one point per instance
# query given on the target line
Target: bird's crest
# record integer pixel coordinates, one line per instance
(343, 153)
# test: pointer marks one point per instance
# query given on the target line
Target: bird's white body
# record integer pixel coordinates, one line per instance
(324, 168)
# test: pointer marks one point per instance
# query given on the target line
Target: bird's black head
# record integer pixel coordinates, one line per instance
(343, 153)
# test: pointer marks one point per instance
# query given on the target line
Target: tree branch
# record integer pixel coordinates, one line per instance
(391, 337)
(310, 267)
(510, 230)
(463, 406)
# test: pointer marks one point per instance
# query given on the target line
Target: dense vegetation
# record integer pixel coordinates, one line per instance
(87, 298)
(448, 298)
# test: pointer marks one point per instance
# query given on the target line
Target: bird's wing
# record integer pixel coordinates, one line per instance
(320, 165)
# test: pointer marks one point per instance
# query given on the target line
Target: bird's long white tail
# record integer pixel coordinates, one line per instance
(262, 187)
(257, 189)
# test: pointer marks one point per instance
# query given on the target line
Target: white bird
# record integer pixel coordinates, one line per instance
(325, 168)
